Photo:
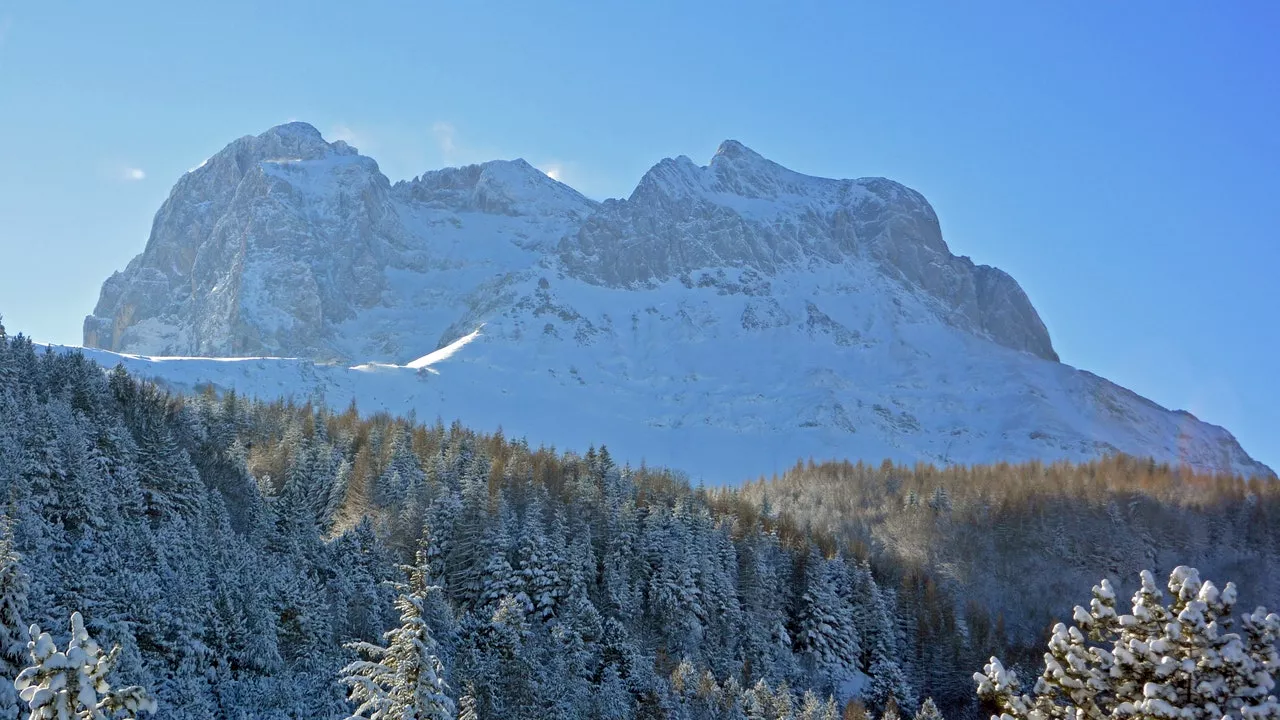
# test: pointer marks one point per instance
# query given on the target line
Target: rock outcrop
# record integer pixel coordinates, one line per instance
(723, 318)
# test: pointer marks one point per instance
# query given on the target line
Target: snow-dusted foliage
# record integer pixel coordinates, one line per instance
(928, 711)
(404, 680)
(13, 606)
(232, 549)
(1182, 658)
(826, 635)
(72, 684)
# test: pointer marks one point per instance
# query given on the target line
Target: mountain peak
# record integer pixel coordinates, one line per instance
(734, 150)
(294, 130)
(505, 187)
(709, 287)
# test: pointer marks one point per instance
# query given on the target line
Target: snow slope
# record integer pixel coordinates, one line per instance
(672, 376)
(725, 319)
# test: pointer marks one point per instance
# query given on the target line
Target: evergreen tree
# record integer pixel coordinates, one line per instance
(404, 680)
(467, 706)
(825, 631)
(928, 711)
(13, 606)
(541, 586)
(1174, 660)
(72, 684)
(611, 699)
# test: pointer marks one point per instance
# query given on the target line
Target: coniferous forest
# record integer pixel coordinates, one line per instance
(259, 559)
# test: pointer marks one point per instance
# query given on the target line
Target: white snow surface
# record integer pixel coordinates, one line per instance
(671, 376)
(725, 320)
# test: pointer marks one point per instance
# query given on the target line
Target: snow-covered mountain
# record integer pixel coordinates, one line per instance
(726, 318)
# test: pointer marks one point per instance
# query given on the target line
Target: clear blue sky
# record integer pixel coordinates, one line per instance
(1121, 160)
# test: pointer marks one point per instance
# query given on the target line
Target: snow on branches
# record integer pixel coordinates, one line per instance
(1179, 659)
(72, 684)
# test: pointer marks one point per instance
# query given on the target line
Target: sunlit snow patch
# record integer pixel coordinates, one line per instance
(444, 353)
(426, 361)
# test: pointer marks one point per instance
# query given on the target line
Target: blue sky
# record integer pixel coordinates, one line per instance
(1119, 159)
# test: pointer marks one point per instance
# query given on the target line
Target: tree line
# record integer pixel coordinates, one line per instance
(241, 555)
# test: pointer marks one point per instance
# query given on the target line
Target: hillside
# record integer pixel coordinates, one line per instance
(230, 546)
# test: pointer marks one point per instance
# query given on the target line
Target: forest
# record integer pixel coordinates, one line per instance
(244, 555)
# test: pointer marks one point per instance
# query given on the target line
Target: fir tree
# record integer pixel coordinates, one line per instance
(13, 606)
(928, 711)
(404, 680)
(825, 631)
(1166, 660)
(467, 705)
(72, 684)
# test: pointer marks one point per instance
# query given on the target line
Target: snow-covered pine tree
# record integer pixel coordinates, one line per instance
(875, 620)
(757, 702)
(467, 705)
(825, 633)
(499, 580)
(814, 708)
(928, 711)
(541, 587)
(731, 696)
(13, 605)
(404, 680)
(72, 684)
(611, 700)
(1179, 660)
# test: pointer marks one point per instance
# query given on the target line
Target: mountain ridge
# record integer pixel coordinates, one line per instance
(738, 296)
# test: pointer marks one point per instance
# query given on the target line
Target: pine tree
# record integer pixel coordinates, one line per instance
(467, 705)
(872, 610)
(539, 573)
(612, 700)
(1175, 660)
(499, 580)
(73, 684)
(405, 679)
(825, 633)
(13, 605)
(813, 708)
(928, 711)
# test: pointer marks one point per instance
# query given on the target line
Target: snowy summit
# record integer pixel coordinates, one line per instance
(725, 319)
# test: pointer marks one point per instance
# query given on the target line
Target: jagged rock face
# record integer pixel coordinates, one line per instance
(279, 239)
(277, 244)
(255, 252)
(513, 188)
(721, 318)
(744, 211)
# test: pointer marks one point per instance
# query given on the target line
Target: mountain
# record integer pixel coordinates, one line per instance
(724, 318)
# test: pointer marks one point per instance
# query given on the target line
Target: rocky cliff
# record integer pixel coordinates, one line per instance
(727, 317)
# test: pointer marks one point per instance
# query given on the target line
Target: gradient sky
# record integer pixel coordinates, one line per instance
(1121, 160)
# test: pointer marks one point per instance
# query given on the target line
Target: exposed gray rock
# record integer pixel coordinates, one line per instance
(258, 251)
(740, 306)
(743, 211)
